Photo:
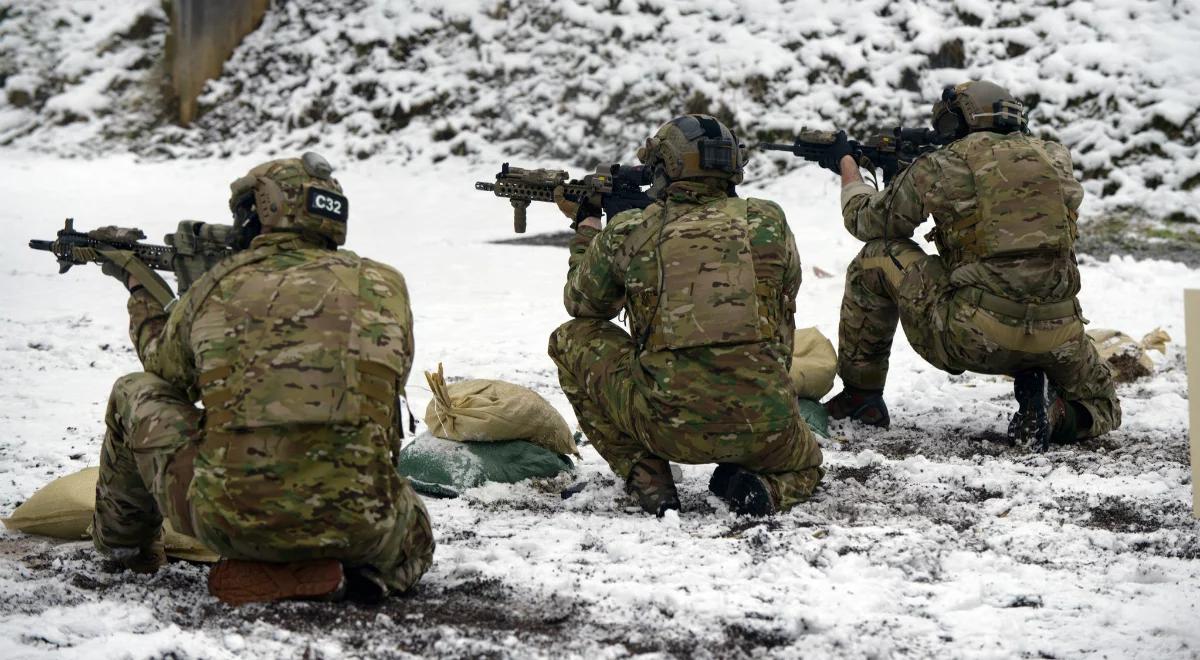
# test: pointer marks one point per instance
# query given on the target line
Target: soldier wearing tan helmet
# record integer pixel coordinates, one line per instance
(1000, 295)
(297, 351)
(708, 283)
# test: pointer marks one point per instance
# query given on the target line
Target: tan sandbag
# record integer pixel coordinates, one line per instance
(63, 509)
(814, 363)
(492, 410)
(182, 546)
(1127, 356)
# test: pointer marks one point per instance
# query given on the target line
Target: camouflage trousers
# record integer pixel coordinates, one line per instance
(147, 464)
(596, 360)
(946, 327)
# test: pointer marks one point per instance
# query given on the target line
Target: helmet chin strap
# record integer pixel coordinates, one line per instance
(658, 183)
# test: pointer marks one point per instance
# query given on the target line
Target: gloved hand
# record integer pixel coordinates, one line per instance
(578, 211)
(118, 272)
(131, 271)
(840, 148)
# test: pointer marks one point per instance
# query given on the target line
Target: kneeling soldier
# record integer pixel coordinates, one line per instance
(708, 283)
(298, 352)
(999, 297)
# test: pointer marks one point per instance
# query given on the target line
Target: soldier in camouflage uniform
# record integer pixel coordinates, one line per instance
(1000, 297)
(708, 283)
(298, 352)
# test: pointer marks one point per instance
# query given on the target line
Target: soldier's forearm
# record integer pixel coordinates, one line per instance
(146, 320)
(850, 171)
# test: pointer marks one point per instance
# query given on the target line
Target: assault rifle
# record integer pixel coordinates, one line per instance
(619, 187)
(189, 252)
(890, 151)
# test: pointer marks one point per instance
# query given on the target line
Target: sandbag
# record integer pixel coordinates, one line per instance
(445, 468)
(1127, 356)
(493, 410)
(816, 415)
(63, 509)
(814, 363)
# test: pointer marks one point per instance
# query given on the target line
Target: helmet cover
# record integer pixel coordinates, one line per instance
(295, 194)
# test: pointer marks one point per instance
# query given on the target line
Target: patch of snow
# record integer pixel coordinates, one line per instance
(932, 538)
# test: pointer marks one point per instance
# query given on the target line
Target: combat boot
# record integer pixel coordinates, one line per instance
(860, 405)
(1030, 425)
(239, 581)
(651, 483)
(718, 483)
(1066, 419)
(750, 494)
(140, 560)
(364, 586)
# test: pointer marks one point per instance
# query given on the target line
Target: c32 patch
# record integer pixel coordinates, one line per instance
(327, 204)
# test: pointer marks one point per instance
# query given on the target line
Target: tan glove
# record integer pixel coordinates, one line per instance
(578, 212)
(565, 205)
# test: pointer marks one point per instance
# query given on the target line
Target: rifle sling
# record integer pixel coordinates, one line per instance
(154, 284)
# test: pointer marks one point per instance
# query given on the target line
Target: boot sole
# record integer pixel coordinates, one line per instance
(718, 483)
(857, 414)
(1031, 423)
(749, 496)
(237, 581)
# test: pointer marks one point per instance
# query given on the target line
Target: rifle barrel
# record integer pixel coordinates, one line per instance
(41, 245)
(484, 185)
(776, 146)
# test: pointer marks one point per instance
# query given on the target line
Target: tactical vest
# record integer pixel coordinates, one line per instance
(1019, 207)
(294, 346)
(708, 293)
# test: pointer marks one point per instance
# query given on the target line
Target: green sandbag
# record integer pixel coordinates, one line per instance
(445, 468)
(817, 417)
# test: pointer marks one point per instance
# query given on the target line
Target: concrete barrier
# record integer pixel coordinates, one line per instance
(1191, 307)
(203, 35)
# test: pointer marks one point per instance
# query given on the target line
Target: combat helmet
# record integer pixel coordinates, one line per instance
(692, 147)
(291, 194)
(977, 105)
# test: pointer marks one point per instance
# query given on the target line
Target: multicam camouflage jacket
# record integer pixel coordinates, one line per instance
(1005, 208)
(298, 353)
(708, 283)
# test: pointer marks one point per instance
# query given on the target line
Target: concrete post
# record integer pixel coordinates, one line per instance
(1191, 312)
(203, 35)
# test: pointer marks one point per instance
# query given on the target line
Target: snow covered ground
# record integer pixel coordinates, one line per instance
(935, 538)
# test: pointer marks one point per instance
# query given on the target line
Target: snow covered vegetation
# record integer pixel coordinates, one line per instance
(936, 538)
(582, 80)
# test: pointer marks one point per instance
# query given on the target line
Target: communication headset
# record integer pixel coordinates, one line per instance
(951, 124)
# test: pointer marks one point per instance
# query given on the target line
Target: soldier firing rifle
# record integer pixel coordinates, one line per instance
(890, 151)
(617, 187)
(190, 251)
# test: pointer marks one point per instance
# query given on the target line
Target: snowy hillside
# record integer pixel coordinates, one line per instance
(934, 539)
(584, 80)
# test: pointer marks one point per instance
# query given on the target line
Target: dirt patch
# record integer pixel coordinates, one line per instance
(479, 607)
(748, 637)
(1129, 233)
(1118, 515)
(479, 617)
(982, 493)
(860, 474)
